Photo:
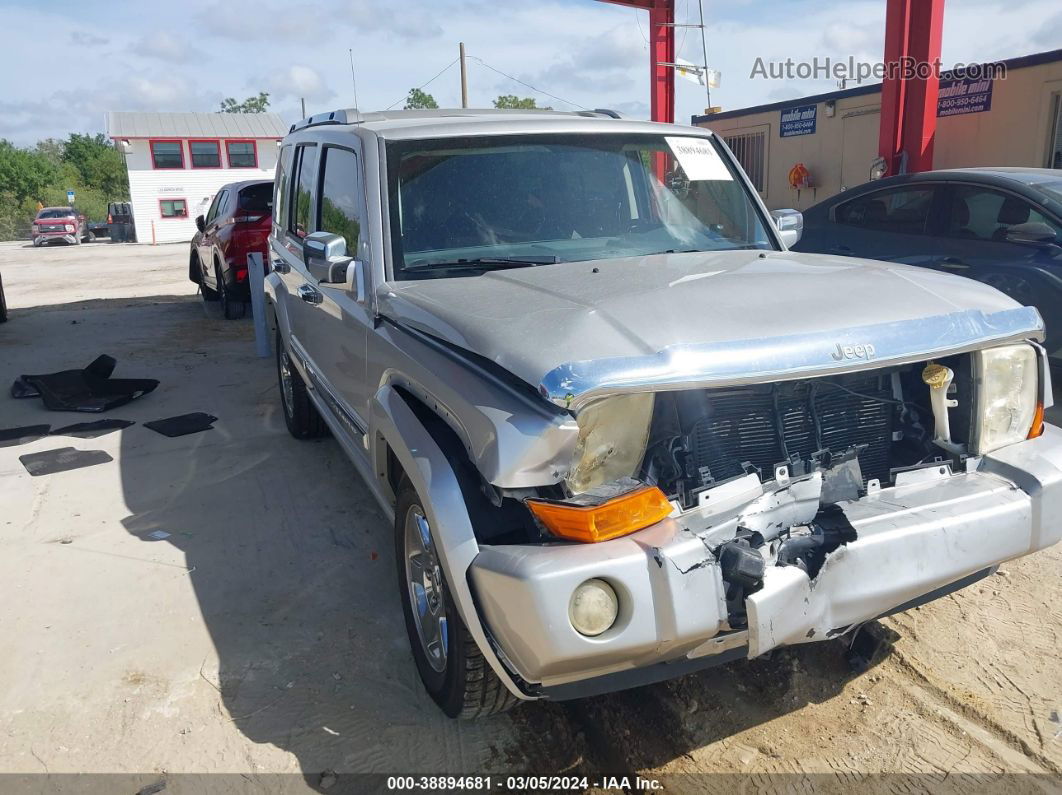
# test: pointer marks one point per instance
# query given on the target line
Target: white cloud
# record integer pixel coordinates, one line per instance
(590, 53)
(298, 80)
(165, 47)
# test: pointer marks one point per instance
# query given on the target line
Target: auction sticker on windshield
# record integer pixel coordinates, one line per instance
(698, 158)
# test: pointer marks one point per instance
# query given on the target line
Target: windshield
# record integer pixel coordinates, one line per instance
(1052, 187)
(60, 213)
(536, 199)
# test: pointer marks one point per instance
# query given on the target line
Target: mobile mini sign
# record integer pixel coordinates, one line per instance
(964, 95)
(798, 121)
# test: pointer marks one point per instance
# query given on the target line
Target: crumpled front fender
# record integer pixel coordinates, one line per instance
(440, 493)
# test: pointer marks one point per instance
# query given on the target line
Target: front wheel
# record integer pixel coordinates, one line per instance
(232, 307)
(450, 664)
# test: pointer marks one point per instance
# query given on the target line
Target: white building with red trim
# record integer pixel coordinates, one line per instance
(178, 161)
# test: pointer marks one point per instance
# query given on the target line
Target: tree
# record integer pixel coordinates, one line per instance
(24, 174)
(418, 99)
(517, 103)
(259, 104)
(98, 164)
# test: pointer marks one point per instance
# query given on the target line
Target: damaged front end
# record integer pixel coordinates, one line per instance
(799, 510)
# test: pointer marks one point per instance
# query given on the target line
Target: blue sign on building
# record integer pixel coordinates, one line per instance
(798, 121)
(964, 95)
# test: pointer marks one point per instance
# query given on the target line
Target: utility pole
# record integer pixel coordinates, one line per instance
(464, 76)
(303, 101)
(704, 49)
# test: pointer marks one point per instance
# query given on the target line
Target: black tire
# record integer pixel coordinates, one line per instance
(300, 415)
(467, 687)
(232, 308)
(90, 237)
(196, 272)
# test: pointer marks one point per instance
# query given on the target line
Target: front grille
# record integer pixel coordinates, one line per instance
(769, 424)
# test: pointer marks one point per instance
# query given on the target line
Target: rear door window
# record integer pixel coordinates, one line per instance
(302, 194)
(901, 210)
(216, 205)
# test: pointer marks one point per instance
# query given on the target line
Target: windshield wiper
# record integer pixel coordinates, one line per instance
(484, 263)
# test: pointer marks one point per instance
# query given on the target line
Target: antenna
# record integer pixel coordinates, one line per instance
(354, 80)
(704, 50)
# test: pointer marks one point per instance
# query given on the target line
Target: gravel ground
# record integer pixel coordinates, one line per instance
(262, 634)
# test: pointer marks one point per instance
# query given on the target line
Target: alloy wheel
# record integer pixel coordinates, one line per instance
(427, 591)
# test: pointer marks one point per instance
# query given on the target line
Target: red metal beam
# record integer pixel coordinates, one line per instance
(913, 33)
(661, 50)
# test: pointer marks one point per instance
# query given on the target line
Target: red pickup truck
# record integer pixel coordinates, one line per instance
(59, 223)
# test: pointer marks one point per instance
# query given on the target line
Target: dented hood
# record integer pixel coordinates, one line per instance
(578, 330)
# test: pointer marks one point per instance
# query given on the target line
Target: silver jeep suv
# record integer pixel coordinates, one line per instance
(623, 432)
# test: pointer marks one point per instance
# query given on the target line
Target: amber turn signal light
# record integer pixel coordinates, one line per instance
(1037, 428)
(616, 517)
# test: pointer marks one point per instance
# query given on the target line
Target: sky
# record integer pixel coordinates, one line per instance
(63, 64)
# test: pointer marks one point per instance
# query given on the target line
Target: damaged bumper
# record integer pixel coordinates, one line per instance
(932, 530)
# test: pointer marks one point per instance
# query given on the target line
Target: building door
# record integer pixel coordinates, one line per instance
(859, 146)
(1054, 147)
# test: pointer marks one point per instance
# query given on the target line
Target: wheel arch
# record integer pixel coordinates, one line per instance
(406, 445)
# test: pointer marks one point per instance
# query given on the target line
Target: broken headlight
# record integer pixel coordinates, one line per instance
(613, 433)
(1008, 392)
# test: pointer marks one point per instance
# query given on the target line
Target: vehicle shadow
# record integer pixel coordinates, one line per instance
(291, 564)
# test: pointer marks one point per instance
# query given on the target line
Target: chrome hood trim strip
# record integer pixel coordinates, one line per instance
(737, 362)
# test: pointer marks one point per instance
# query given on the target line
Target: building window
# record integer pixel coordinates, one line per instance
(205, 154)
(173, 208)
(750, 149)
(167, 154)
(242, 154)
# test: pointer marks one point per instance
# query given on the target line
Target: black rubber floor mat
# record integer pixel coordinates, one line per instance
(90, 389)
(183, 424)
(62, 460)
(90, 430)
(9, 437)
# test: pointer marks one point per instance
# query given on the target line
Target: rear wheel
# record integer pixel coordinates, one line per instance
(233, 308)
(300, 415)
(450, 664)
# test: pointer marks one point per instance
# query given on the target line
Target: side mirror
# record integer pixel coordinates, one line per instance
(1035, 233)
(325, 255)
(200, 223)
(790, 225)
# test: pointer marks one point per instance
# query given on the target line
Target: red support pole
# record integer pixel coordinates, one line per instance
(913, 32)
(920, 118)
(662, 50)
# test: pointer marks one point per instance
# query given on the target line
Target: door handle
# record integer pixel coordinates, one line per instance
(280, 266)
(309, 294)
(843, 250)
(952, 263)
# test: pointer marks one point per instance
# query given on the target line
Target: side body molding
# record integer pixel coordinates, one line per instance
(440, 492)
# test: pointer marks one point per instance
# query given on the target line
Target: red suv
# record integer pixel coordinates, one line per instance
(59, 223)
(237, 223)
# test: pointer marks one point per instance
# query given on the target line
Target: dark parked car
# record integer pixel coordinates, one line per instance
(1001, 226)
(3, 302)
(237, 223)
(60, 223)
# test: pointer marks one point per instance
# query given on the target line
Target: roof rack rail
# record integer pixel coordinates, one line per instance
(612, 114)
(342, 116)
